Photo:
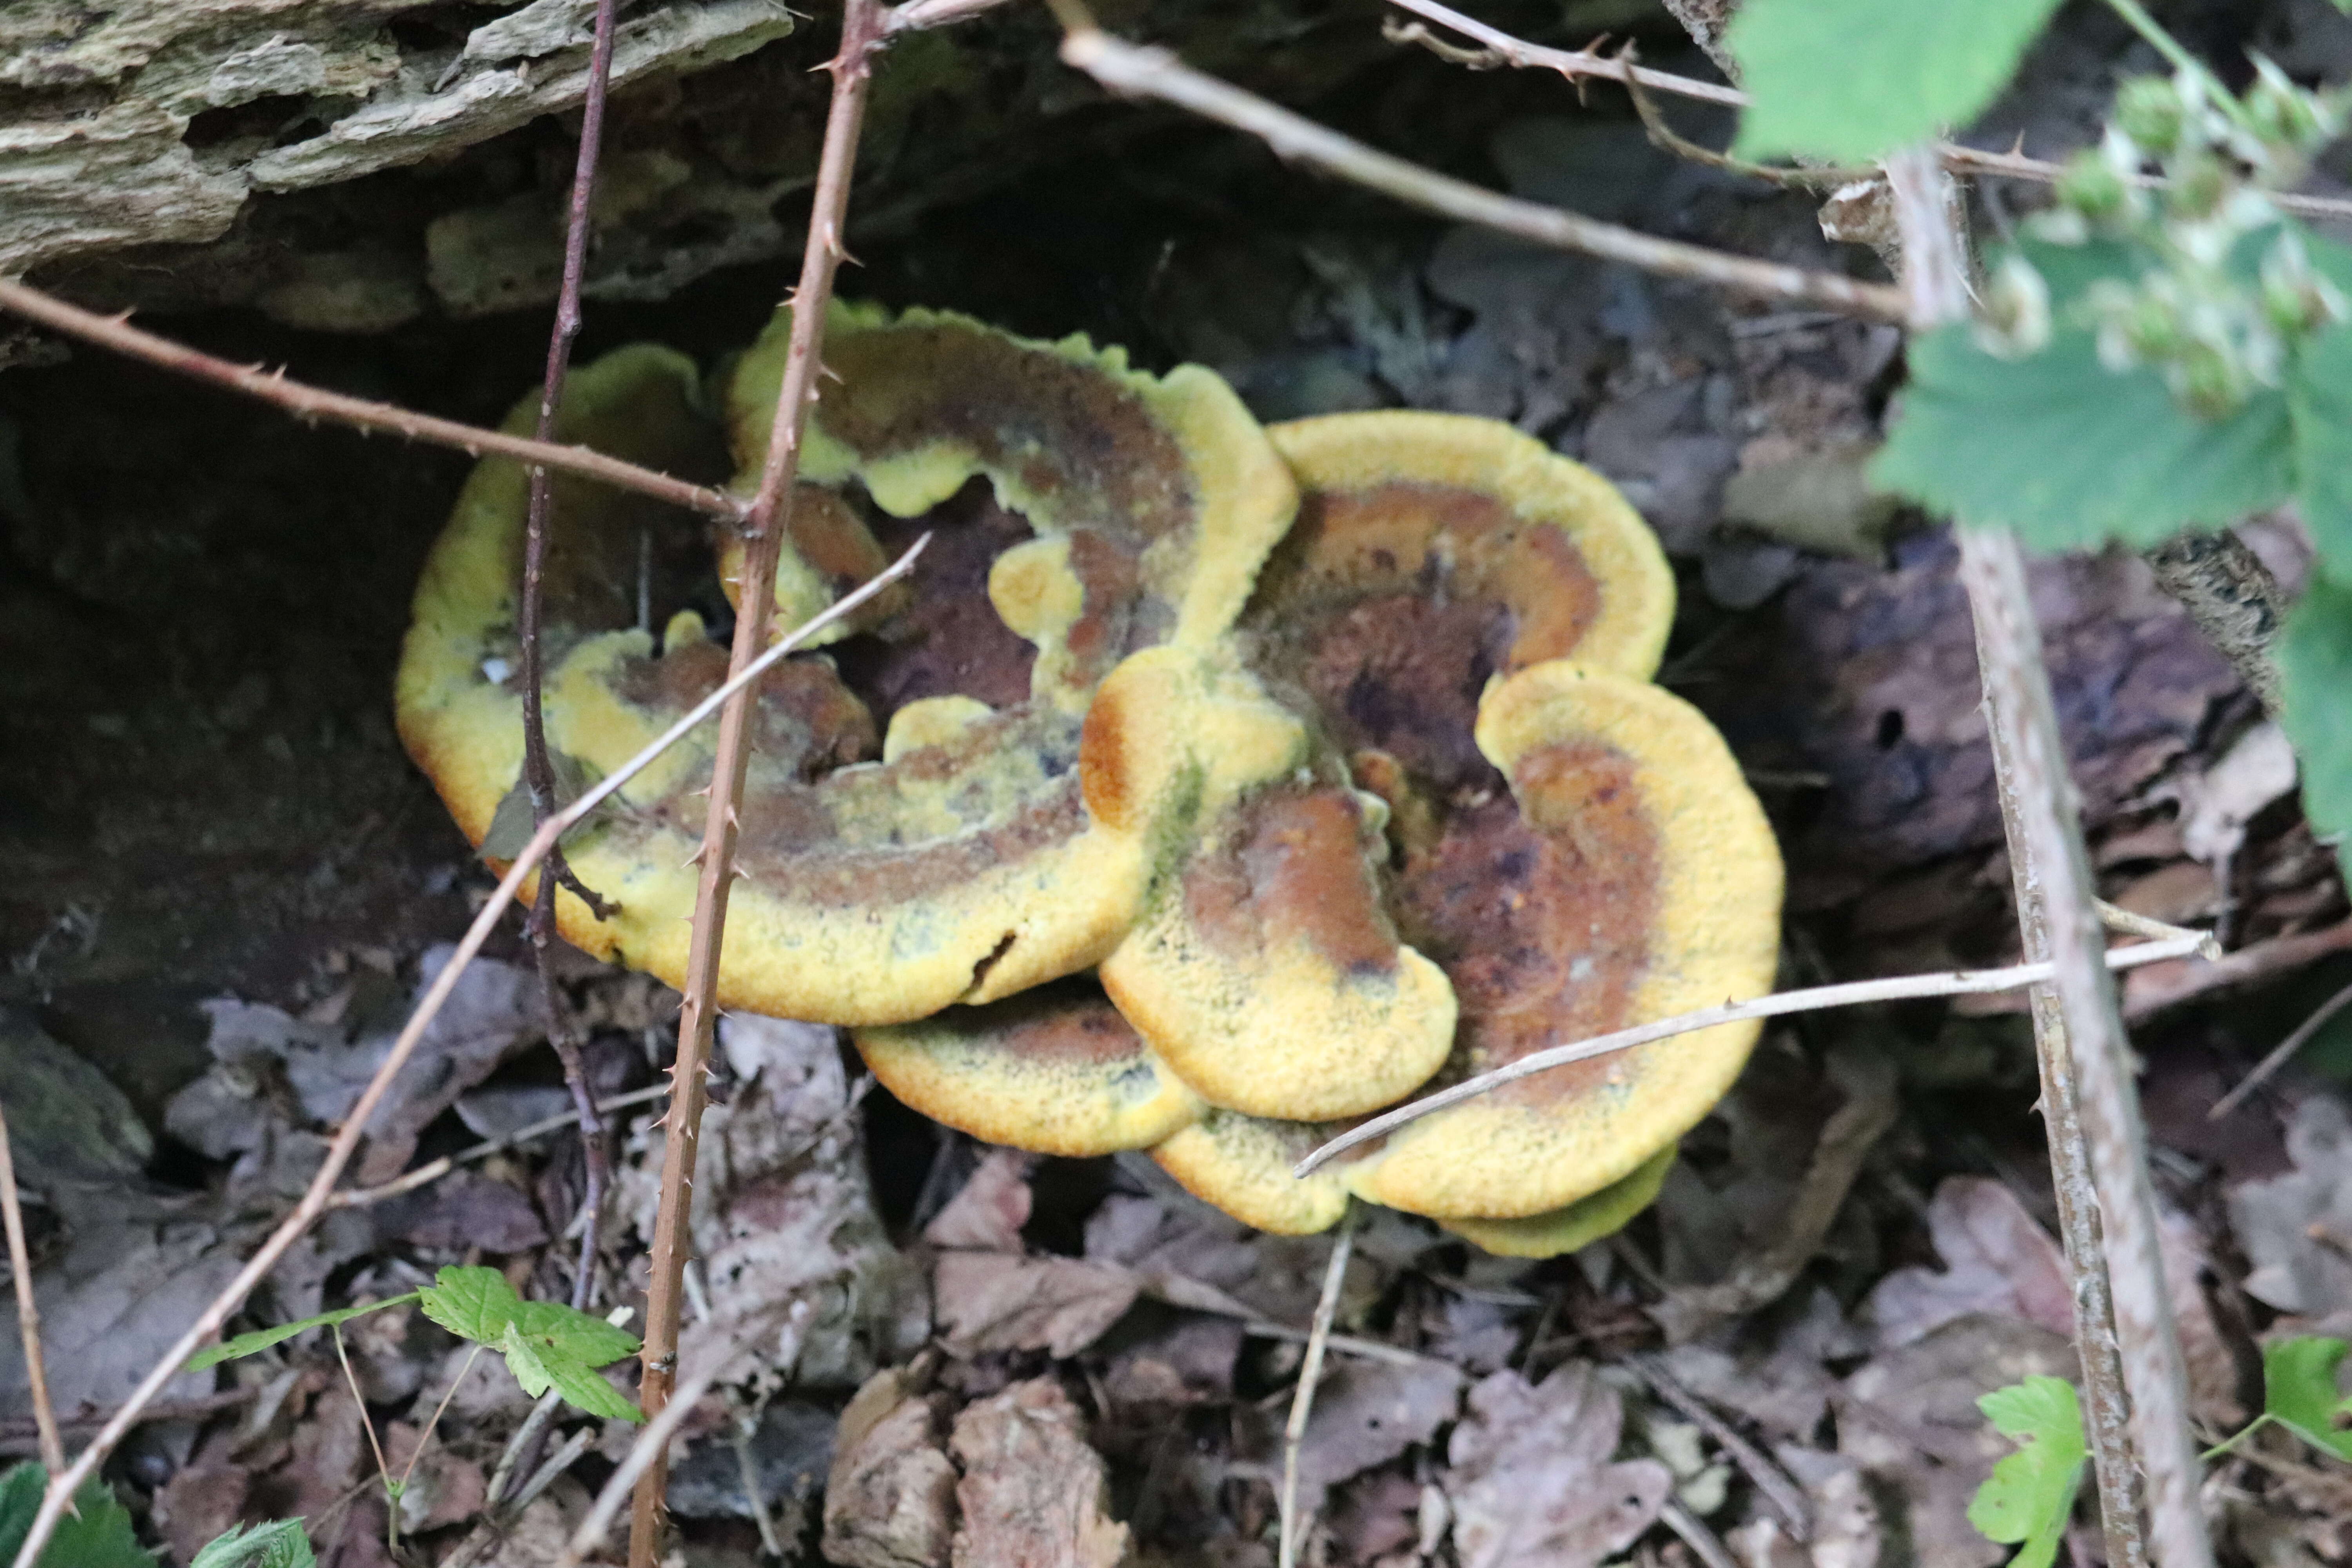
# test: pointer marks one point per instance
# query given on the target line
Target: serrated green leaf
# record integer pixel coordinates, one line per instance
(558, 1329)
(2029, 1495)
(2319, 401)
(583, 1386)
(523, 1360)
(262, 1339)
(100, 1537)
(2314, 659)
(277, 1544)
(2299, 1392)
(539, 1368)
(2066, 451)
(472, 1302)
(1853, 78)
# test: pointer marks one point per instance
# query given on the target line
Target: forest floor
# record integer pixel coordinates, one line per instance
(227, 883)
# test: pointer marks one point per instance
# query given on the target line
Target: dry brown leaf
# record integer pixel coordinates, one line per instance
(1531, 1481)
(889, 1501)
(1909, 1417)
(997, 1301)
(1034, 1494)
(987, 1213)
(2297, 1228)
(1997, 1258)
(1367, 1413)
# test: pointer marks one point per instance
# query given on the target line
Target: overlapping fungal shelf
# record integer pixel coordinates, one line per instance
(1204, 787)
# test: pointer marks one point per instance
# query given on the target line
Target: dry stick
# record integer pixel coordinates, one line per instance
(361, 1197)
(1705, 1544)
(2090, 1101)
(1777, 1487)
(1578, 65)
(1852, 993)
(1302, 1401)
(770, 512)
(28, 1311)
(1130, 68)
(537, 772)
(914, 15)
(317, 1196)
(647, 1455)
(2279, 1057)
(312, 402)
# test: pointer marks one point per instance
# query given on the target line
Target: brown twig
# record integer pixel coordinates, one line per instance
(17, 1437)
(311, 404)
(409, 1181)
(2281, 1056)
(2170, 985)
(2086, 1054)
(1137, 71)
(1852, 993)
(29, 1311)
(916, 15)
(537, 771)
(1583, 65)
(315, 1198)
(1668, 139)
(1302, 1400)
(1775, 1485)
(771, 511)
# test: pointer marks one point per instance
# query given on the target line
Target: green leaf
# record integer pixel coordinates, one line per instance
(538, 1367)
(101, 1537)
(2319, 400)
(277, 1544)
(2031, 1494)
(2299, 1392)
(1853, 78)
(556, 1329)
(513, 823)
(2066, 451)
(262, 1339)
(473, 1303)
(2315, 658)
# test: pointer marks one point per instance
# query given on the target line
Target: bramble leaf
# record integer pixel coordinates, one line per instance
(472, 1302)
(1853, 78)
(2315, 658)
(2066, 451)
(262, 1339)
(2031, 1494)
(2299, 1392)
(277, 1544)
(578, 1336)
(101, 1536)
(539, 1366)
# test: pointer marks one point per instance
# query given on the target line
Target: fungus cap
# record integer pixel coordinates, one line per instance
(1629, 876)
(1242, 1164)
(1055, 1071)
(962, 863)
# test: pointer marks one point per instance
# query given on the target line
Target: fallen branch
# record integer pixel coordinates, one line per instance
(2281, 1056)
(538, 769)
(311, 404)
(2089, 1095)
(1579, 66)
(2176, 985)
(29, 1311)
(764, 526)
(1302, 1400)
(1135, 71)
(1852, 993)
(409, 1181)
(316, 1197)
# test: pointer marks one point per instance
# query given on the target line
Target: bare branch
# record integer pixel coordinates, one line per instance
(312, 402)
(29, 1311)
(852, 67)
(316, 1197)
(1126, 67)
(2280, 1056)
(538, 769)
(1583, 65)
(1853, 994)
(1302, 1400)
(915, 15)
(2089, 1095)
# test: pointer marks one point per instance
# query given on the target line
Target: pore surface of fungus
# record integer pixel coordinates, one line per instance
(915, 826)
